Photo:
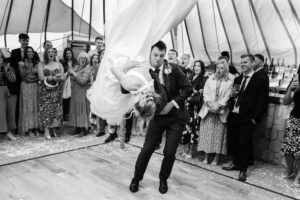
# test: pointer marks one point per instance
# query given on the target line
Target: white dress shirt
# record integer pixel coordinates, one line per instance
(161, 80)
(236, 109)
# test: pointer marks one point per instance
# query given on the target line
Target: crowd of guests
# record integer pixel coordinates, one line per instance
(39, 95)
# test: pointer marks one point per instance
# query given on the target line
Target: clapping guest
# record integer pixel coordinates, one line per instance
(28, 117)
(79, 105)
(94, 65)
(68, 62)
(51, 75)
(214, 114)
(7, 76)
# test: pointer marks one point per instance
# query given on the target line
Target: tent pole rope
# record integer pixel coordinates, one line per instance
(252, 8)
(212, 1)
(286, 30)
(72, 20)
(47, 17)
(225, 31)
(4, 14)
(81, 16)
(189, 39)
(90, 24)
(202, 33)
(240, 25)
(30, 14)
(7, 22)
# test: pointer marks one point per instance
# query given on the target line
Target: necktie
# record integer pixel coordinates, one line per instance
(242, 89)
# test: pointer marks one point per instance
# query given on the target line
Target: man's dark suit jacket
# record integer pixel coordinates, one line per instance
(16, 57)
(253, 100)
(263, 74)
(176, 87)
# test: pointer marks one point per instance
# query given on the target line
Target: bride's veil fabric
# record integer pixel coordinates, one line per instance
(133, 33)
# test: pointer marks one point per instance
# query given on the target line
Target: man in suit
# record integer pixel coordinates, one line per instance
(258, 68)
(16, 58)
(247, 110)
(170, 116)
(232, 69)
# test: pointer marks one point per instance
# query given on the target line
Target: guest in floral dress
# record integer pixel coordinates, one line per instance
(291, 140)
(214, 112)
(68, 62)
(7, 116)
(79, 106)
(51, 76)
(194, 104)
(28, 105)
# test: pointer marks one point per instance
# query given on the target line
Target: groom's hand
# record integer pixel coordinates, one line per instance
(167, 108)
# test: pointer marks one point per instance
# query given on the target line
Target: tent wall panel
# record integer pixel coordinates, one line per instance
(251, 30)
(291, 23)
(215, 39)
(19, 16)
(276, 37)
(194, 30)
(233, 30)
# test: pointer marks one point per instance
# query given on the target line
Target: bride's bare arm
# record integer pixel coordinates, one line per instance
(128, 82)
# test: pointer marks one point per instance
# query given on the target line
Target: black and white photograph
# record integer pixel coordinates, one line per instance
(149, 99)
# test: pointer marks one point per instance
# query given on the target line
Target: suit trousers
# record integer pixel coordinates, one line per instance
(240, 140)
(156, 128)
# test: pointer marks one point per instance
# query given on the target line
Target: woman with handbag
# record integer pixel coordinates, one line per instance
(7, 116)
(51, 76)
(194, 104)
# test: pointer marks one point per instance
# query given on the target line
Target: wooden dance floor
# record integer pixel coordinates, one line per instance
(105, 171)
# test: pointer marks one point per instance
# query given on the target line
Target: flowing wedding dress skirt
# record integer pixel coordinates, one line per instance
(134, 31)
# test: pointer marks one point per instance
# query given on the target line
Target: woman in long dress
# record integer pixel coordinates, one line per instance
(214, 112)
(79, 105)
(28, 106)
(129, 42)
(51, 76)
(7, 117)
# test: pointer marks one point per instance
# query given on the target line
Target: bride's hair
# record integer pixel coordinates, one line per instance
(146, 104)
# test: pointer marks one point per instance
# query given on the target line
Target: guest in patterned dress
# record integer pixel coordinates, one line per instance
(28, 105)
(68, 62)
(7, 117)
(79, 106)
(214, 112)
(51, 76)
(194, 104)
(291, 141)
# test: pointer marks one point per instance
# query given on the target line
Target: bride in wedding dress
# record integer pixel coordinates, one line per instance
(126, 59)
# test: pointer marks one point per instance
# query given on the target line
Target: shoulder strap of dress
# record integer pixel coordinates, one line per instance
(138, 75)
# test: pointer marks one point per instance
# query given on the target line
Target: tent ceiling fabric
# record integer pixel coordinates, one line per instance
(59, 17)
(269, 27)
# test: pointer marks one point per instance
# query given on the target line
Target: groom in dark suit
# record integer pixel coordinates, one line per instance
(247, 109)
(170, 116)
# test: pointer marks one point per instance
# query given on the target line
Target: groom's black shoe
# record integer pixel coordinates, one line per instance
(134, 185)
(163, 187)
(111, 137)
(127, 137)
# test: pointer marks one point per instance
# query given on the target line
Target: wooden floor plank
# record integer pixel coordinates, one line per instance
(104, 172)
